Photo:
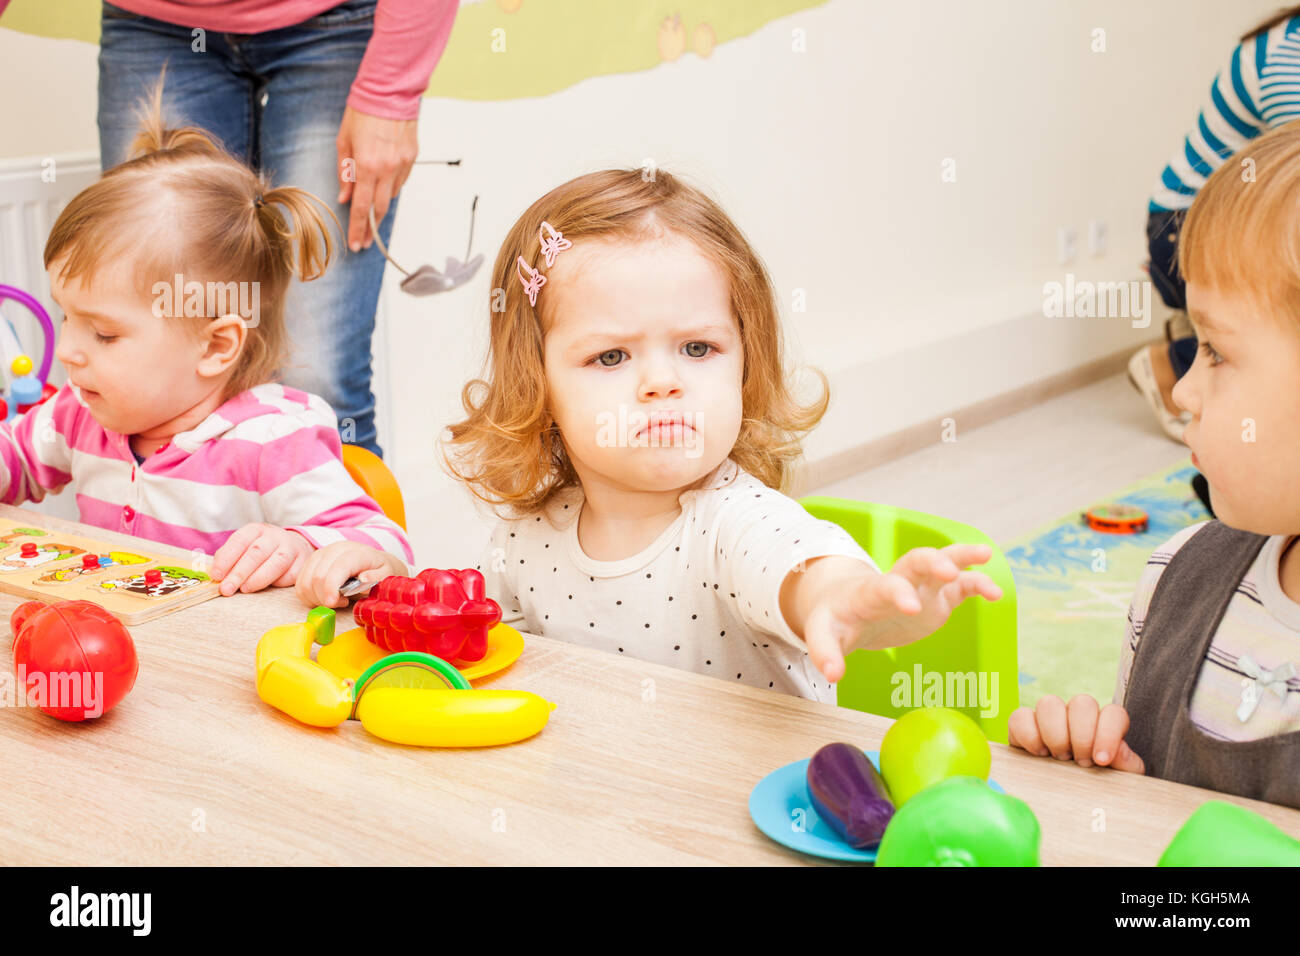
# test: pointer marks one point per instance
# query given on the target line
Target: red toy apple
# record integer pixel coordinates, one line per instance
(74, 659)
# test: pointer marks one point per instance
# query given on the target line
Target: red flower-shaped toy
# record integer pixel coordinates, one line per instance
(444, 613)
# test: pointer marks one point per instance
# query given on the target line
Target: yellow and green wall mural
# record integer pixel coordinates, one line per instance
(507, 49)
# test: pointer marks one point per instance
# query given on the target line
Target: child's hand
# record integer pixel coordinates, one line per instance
(325, 571)
(912, 601)
(259, 556)
(1080, 732)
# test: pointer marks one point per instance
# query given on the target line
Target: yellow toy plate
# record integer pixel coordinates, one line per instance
(349, 654)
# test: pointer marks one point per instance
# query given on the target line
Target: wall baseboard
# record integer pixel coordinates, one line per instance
(826, 470)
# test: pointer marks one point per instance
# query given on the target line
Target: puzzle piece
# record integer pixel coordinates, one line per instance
(91, 564)
(22, 533)
(33, 555)
(154, 583)
(51, 565)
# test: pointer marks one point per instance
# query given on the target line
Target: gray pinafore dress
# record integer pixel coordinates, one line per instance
(1188, 603)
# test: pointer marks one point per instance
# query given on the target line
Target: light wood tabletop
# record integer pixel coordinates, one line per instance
(640, 764)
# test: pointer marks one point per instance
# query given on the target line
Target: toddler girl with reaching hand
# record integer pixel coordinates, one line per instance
(636, 427)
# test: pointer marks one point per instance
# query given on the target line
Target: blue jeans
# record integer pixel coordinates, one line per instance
(304, 73)
(1163, 229)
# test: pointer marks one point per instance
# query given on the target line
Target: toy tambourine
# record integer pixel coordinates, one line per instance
(1116, 519)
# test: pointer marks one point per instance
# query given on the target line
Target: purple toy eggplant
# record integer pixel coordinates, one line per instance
(849, 794)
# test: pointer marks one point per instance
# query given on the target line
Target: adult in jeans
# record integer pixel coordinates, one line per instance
(318, 94)
(1258, 90)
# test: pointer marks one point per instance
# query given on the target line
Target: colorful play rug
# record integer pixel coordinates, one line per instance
(1073, 587)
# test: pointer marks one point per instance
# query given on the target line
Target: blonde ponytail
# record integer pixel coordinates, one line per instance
(299, 228)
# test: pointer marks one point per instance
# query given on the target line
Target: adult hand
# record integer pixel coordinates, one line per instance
(375, 157)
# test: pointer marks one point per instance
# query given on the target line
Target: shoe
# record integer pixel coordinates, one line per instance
(1143, 378)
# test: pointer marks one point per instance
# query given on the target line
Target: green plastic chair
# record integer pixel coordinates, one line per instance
(979, 639)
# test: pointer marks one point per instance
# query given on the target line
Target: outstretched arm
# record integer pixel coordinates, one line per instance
(839, 604)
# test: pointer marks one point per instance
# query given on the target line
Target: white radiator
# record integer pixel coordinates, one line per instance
(33, 191)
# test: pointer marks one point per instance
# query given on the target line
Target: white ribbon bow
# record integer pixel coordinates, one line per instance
(1264, 680)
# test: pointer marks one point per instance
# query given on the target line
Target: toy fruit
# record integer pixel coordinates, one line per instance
(73, 658)
(428, 717)
(1224, 834)
(295, 640)
(444, 613)
(289, 680)
(409, 669)
(847, 792)
(961, 821)
(928, 745)
(305, 691)
(410, 697)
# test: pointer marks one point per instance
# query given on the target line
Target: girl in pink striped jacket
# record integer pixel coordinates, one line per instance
(172, 271)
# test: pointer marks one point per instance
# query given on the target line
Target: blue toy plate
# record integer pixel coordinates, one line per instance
(780, 802)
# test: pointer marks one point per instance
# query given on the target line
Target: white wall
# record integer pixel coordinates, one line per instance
(922, 296)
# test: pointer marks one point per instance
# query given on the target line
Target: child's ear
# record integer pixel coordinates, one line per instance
(223, 341)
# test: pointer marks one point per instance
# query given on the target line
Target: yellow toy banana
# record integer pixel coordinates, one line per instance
(295, 640)
(305, 691)
(427, 717)
(289, 680)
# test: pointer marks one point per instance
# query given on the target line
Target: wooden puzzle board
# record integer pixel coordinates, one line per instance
(58, 571)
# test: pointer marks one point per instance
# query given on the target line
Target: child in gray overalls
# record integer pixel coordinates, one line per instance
(1207, 692)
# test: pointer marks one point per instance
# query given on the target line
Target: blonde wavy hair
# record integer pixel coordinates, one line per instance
(1242, 232)
(507, 451)
(182, 205)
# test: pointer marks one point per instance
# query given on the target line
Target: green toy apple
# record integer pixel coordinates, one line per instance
(928, 745)
(961, 821)
(1224, 834)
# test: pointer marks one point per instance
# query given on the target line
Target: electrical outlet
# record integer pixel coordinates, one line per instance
(1097, 237)
(1066, 243)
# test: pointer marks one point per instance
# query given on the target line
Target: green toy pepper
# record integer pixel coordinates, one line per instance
(1224, 834)
(961, 822)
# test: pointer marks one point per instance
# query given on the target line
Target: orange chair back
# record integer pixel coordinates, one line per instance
(369, 471)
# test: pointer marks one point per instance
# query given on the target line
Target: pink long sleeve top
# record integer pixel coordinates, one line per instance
(270, 454)
(407, 43)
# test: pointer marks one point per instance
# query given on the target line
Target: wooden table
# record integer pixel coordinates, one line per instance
(640, 764)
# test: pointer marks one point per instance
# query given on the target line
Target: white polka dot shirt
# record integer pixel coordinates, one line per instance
(705, 596)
